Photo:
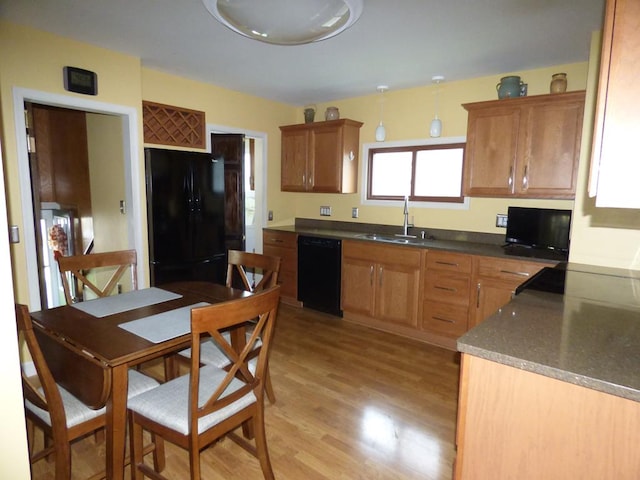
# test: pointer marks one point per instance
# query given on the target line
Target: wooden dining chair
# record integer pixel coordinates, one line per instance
(107, 268)
(240, 264)
(195, 410)
(61, 416)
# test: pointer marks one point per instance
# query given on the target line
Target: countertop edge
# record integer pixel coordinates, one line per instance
(552, 372)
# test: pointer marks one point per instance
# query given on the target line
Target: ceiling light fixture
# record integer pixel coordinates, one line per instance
(436, 124)
(381, 132)
(286, 22)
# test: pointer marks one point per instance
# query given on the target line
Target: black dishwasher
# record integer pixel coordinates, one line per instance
(319, 266)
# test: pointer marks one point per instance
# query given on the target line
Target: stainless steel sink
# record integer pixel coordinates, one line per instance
(394, 239)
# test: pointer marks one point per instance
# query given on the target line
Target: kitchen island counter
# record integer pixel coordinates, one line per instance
(550, 384)
(590, 336)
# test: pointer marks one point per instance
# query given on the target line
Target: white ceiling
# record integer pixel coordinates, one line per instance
(400, 43)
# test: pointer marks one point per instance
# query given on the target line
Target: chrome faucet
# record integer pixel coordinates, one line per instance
(405, 223)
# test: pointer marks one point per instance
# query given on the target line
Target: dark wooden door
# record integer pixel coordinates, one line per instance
(230, 148)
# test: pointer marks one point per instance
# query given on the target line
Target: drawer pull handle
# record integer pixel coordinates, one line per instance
(478, 287)
(452, 264)
(380, 274)
(448, 289)
(371, 275)
(276, 240)
(444, 319)
(520, 274)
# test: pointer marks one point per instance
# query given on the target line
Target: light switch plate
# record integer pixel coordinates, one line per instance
(325, 211)
(501, 220)
(354, 212)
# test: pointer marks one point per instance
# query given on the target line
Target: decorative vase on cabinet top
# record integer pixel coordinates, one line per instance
(558, 83)
(309, 114)
(509, 87)
(332, 113)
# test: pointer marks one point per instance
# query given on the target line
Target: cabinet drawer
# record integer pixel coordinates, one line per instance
(387, 254)
(448, 287)
(445, 318)
(447, 261)
(280, 239)
(508, 270)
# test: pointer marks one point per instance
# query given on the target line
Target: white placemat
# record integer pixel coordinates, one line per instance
(102, 307)
(163, 326)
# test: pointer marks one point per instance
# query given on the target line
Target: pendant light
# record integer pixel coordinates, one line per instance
(436, 124)
(381, 132)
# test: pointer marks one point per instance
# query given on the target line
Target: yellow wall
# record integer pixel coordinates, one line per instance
(407, 115)
(106, 171)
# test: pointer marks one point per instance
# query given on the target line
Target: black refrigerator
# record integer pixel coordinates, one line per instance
(185, 211)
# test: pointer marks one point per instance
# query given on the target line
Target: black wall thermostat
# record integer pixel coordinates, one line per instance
(79, 80)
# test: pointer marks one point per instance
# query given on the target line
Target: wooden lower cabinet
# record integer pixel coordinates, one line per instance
(284, 245)
(447, 289)
(381, 283)
(495, 281)
(515, 424)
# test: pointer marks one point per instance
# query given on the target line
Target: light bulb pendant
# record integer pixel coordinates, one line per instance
(381, 133)
(436, 127)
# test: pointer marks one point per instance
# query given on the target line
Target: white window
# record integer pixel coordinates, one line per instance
(423, 172)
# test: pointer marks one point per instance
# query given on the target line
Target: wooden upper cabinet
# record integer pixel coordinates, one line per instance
(320, 157)
(615, 168)
(295, 153)
(525, 147)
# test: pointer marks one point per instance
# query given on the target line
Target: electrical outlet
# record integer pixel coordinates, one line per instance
(325, 211)
(501, 220)
(270, 216)
(354, 212)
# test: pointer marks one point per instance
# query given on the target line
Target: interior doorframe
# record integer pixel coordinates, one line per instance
(262, 197)
(132, 173)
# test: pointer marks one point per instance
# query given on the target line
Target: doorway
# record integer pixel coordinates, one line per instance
(254, 182)
(130, 171)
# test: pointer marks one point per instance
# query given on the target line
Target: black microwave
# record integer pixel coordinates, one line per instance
(539, 228)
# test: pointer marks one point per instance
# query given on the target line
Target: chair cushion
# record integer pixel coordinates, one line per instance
(168, 404)
(212, 354)
(77, 412)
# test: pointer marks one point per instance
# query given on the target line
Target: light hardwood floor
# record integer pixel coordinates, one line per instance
(352, 403)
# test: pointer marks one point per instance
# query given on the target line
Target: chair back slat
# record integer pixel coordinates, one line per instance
(113, 263)
(212, 321)
(239, 263)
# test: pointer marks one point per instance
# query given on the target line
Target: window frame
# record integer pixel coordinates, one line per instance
(412, 146)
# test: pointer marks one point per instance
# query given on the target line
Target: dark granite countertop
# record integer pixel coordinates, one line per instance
(590, 336)
(474, 243)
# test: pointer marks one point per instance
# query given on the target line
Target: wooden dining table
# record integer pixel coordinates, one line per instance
(90, 346)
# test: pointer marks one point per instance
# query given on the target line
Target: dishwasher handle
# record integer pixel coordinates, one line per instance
(319, 242)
